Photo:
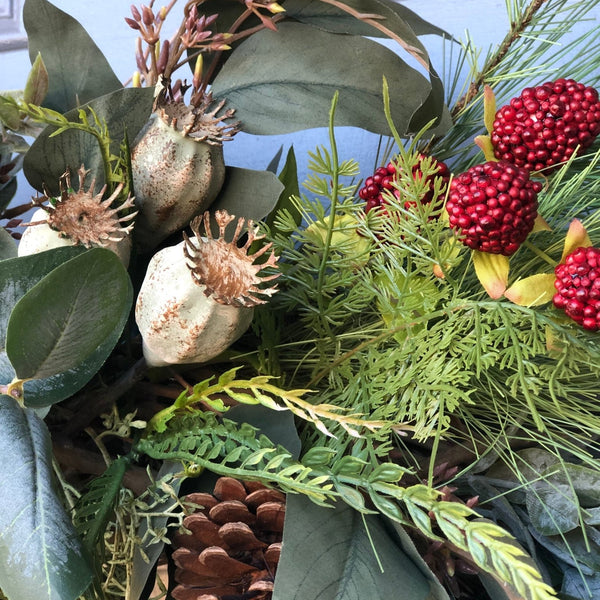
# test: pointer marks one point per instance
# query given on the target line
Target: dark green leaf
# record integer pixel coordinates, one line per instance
(96, 506)
(552, 507)
(289, 178)
(41, 557)
(125, 112)
(272, 83)
(62, 320)
(327, 555)
(8, 245)
(399, 19)
(248, 193)
(580, 586)
(77, 70)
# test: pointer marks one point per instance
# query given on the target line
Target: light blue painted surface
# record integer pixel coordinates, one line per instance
(486, 21)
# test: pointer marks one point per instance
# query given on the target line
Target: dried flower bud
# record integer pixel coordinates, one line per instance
(133, 24)
(178, 166)
(198, 297)
(80, 218)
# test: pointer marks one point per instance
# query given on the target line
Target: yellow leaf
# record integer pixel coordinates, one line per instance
(540, 224)
(532, 291)
(489, 108)
(577, 237)
(485, 143)
(492, 272)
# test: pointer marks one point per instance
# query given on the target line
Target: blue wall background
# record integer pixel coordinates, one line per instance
(485, 20)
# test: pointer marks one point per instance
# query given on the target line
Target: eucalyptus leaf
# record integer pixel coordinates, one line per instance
(77, 69)
(63, 319)
(392, 15)
(581, 586)
(248, 193)
(8, 245)
(271, 81)
(328, 554)
(125, 112)
(552, 507)
(41, 557)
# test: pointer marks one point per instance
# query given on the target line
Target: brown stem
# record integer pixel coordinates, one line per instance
(96, 402)
(15, 211)
(516, 29)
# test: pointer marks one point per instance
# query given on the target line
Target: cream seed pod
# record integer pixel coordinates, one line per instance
(177, 165)
(198, 297)
(80, 218)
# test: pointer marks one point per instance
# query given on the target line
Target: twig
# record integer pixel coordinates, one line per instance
(516, 29)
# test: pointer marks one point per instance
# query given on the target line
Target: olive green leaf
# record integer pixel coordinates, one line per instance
(271, 81)
(77, 70)
(8, 246)
(62, 320)
(41, 557)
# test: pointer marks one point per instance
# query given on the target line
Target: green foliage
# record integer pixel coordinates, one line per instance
(41, 555)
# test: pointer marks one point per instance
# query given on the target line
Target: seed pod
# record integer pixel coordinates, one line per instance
(198, 297)
(177, 165)
(80, 218)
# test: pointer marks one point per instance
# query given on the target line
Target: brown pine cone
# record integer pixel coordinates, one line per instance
(234, 545)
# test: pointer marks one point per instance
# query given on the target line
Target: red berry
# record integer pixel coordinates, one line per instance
(578, 287)
(544, 125)
(384, 178)
(493, 206)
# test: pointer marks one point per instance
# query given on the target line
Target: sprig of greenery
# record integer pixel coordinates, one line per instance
(226, 448)
(259, 390)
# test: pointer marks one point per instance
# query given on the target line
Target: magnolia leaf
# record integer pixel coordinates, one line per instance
(577, 237)
(41, 557)
(492, 272)
(484, 142)
(8, 245)
(540, 224)
(77, 69)
(125, 113)
(343, 558)
(271, 81)
(62, 320)
(36, 87)
(534, 290)
(489, 109)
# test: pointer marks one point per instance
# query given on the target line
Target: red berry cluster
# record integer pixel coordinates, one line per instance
(545, 124)
(578, 287)
(494, 206)
(384, 178)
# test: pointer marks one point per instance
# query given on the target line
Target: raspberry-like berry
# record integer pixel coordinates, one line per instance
(493, 206)
(384, 178)
(577, 286)
(543, 126)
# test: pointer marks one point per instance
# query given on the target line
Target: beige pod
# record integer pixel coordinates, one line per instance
(198, 297)
(177, 166)
(80, 218)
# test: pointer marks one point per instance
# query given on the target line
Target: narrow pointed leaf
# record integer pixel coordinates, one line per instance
(41, 557)
(492, 272)
(77, 69)
(36, 87)
(532, 291)
(540, 224)
(489, 108)
(64, 318)
(485, 144)
(271, 81)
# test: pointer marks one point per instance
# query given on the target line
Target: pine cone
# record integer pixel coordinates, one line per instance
(234, 545)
